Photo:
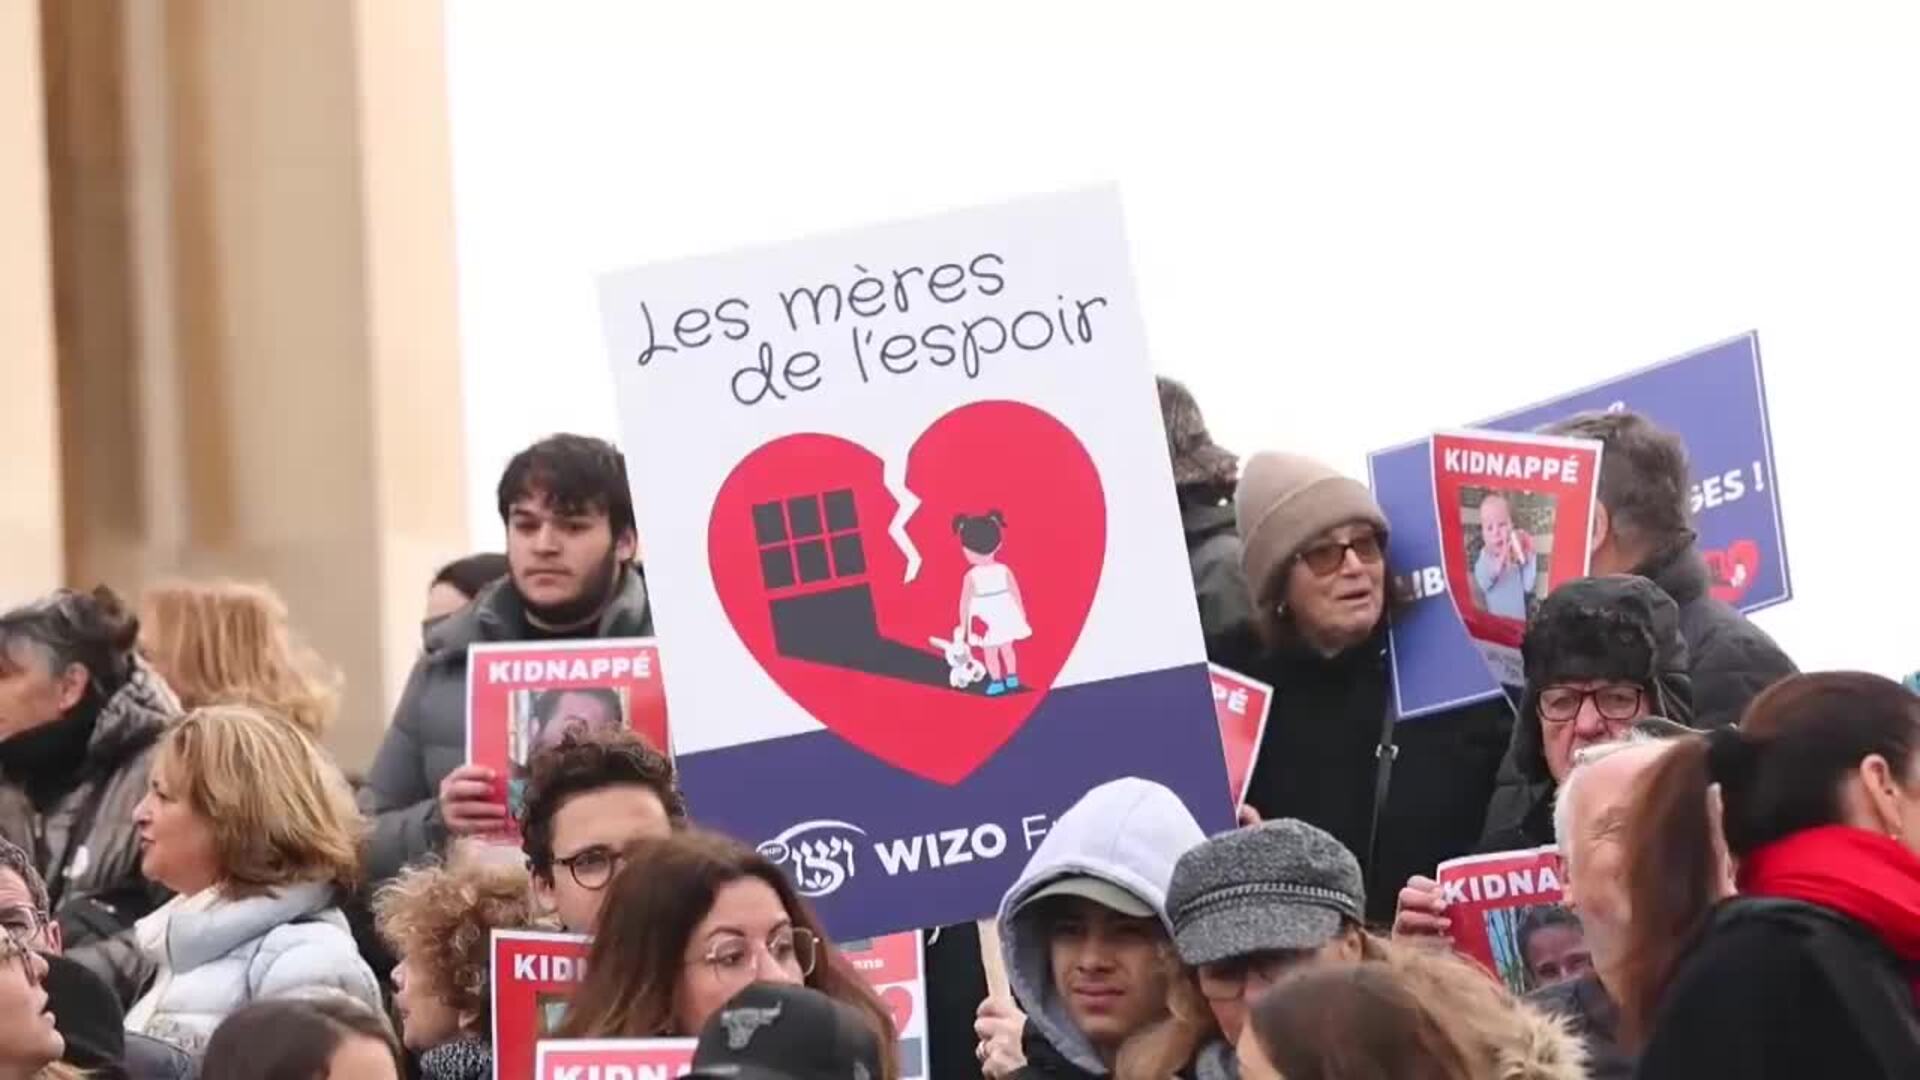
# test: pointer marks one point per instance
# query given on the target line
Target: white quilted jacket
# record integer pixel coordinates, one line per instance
(216, 955)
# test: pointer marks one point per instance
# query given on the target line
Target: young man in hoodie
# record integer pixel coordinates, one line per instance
(1086, 937)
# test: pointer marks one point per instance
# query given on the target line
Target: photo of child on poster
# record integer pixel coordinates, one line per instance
(1500, 527)
(1514, 515)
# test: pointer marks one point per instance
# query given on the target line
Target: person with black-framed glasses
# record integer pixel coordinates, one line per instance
(29, 1041)
(587, 801)
(86, 1012)
(1602, 656)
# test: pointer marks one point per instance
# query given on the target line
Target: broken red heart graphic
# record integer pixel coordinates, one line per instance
(803, 558)
(1731, 573)
(899, 1002)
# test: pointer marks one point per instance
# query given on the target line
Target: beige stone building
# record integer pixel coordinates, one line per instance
(227, 317)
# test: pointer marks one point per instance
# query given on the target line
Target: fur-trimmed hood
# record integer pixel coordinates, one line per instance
(1541, 1047)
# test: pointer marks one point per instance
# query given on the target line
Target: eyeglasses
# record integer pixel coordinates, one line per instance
(13, 951)
(735, 960)
(23, 924)
(1617, 703)
(592, 867)
(1328, 556)
(1228, 980)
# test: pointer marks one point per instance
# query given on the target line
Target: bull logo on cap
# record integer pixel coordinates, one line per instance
(744, 1023)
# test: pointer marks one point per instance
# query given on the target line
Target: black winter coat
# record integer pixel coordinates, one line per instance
(1733, 660)
(1318, 760)
(1781, 990)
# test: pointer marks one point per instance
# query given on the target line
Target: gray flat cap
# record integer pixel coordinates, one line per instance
(1279, 885)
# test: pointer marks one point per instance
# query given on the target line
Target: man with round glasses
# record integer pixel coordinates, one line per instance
(588, 800)
(1602, 655)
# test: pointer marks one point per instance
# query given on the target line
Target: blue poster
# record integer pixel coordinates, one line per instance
(1714, 399)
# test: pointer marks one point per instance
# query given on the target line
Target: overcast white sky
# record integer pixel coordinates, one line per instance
(1349, 227)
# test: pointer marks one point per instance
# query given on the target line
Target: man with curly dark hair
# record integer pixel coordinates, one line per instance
(588, 800)
(439, 920)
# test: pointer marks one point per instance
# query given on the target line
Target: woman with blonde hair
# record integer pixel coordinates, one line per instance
(253, 827)
(1418, 1014)
(440, 920)
(229, 643)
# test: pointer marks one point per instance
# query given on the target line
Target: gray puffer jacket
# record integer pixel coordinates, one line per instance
(428, 737)
(85, 845)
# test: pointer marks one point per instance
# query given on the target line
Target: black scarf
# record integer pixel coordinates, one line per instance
(50, 760)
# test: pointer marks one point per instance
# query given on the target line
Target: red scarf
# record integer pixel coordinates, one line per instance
(1872, 879)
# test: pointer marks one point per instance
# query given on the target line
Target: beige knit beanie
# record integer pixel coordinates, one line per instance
(1284, 501)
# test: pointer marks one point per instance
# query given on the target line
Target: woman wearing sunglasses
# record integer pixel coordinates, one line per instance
(691, 920)
(1403, 798)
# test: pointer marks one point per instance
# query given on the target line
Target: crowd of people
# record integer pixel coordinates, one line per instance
(190, 885)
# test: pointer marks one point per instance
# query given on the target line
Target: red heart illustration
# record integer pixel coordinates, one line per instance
(899, 1002)
(1731, 573)
(800, 549)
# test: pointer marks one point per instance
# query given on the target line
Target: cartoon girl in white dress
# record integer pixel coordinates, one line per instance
(991, 594)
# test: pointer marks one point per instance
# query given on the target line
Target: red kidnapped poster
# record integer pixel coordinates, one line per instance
(894, 966)
(525, 696)
(1507, 915)
(533, 976)
(614, 1059)
(1516, 517)
(1242, 705)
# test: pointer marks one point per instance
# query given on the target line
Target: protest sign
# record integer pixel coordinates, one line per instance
(1507, 916)
(533, 975)
(904, 493)
(895, 967)
(1714, 399)
(526, 696)
(1241, 706)
(1514, 514)
(613, 1059)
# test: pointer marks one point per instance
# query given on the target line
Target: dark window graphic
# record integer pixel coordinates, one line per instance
(813, 561)
(809, 539)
